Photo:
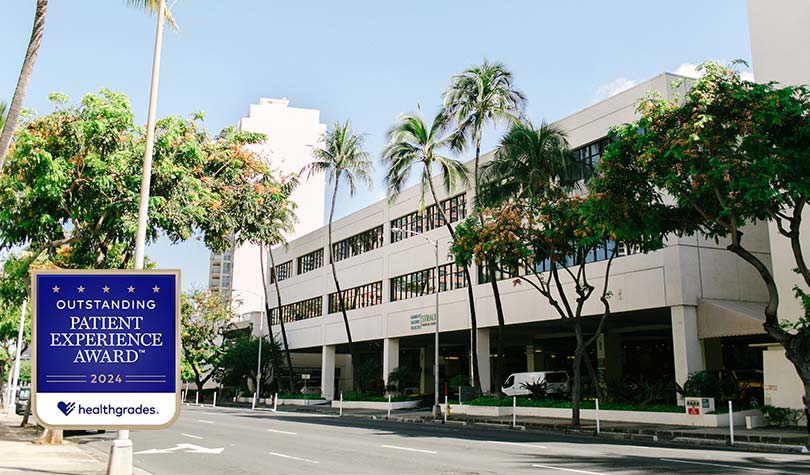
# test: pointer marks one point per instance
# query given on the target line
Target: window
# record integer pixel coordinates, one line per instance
(591, 154)
(455, 208)
(421, 282)
(294, 312)
(283, 271)
(358, 244)
(500, 273)
(357, 297)
(310, 261)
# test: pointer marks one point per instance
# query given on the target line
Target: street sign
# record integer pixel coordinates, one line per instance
(304, 376)
(106, 348)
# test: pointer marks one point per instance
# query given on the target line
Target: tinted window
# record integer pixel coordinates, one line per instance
(556, 377)
(509, 381)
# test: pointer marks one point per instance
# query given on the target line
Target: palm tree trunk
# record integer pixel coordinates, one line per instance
(355, 382)
(22, 82)
(475, 381)
(280, 320)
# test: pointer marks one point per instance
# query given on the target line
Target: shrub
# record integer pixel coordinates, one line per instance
(459, 380)
(585, 404)
(783, 416)
(371, 397)
(539, 389)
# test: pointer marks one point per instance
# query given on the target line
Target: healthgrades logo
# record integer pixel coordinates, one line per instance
(105, 409)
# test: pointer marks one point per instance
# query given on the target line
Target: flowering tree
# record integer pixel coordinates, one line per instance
(730, 153)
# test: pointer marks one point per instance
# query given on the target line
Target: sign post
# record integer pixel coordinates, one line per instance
(106, 348)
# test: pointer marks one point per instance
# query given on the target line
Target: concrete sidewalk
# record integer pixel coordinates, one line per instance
(19, 453)
(768, 439)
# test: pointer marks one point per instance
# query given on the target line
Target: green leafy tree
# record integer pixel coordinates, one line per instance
(732, 152)
(237, 365)
(205, 317)
(3, 111)
(344, 160)
(480, 96)
(412, 143)
(9, 126)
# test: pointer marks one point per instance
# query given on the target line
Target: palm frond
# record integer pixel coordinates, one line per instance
(153, 6)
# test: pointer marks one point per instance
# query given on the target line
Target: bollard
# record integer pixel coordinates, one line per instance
(253, 404)
(389, 406)
(275, 402)
(446, 408)
(215, 400)
(514, 411)
(183, 397)
(459, 395)
(341, 404)
(197, 398)
(597, 416)
(731, 422)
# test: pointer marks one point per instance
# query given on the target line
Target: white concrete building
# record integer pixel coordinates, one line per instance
(778, 28)
(689, 306)
(292, 134)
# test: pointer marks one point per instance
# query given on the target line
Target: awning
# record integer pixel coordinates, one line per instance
(718, 318)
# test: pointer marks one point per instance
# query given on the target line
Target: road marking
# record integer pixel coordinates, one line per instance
(408, 448)
(293, 458)
(567, 469)
(186, 448)
(738, 467)
(192, 436)
(518, 444)
(207, 422)
(281, 432)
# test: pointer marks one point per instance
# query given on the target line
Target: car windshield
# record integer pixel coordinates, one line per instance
(509, 381)
(25, 393)
(556, 377)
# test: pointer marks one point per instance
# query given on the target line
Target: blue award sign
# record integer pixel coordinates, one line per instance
(106, 348)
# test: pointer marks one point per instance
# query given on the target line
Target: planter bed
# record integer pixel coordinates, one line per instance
(644, 417)
(381, 405)
(299, 402)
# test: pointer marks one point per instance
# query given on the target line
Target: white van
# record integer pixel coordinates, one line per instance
(557, 382)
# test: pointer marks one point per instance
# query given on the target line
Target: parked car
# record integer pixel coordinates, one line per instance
(557, 383)
(23, 396)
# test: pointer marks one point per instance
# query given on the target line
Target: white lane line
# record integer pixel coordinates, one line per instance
(281, 432)
(292, 458)
(409, 449)
(518, 444)
(566, 469)
(738, 467)
(192, 436)
(203, 420)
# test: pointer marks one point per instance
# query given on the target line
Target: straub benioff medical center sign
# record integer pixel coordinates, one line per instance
(106, 348)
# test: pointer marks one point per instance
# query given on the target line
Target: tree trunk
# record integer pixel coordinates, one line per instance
(355, 381)
(280, 320)
(597, 389)
(576, 389)
(475, 381)
(499, 376)
(15, 107)
(26, 414)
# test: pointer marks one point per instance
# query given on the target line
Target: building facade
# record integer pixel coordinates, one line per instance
(690, 306)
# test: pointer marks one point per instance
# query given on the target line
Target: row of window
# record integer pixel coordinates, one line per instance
(281, 271)
(418, 222)
(293, 312)
(423, 282)
(310, 261)
(596, 254)
(357, 297)
(358, 244)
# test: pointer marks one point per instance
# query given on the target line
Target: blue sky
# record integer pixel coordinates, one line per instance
(366, 61)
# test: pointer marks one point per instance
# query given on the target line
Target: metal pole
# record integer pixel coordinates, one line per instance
(341, 404)
(514, 411)
(215, 400)
(275, 402)
(389, 406)
(15, 380)
(436, 340)
(197, 398)
(597, 417)
(446, 408)
(259, 362)
(731, 422)
(120, 462)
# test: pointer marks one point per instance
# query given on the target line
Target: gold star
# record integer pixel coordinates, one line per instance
(156, 289)
(106, 289)
(80, 289)
(56, 289)
(131, 289)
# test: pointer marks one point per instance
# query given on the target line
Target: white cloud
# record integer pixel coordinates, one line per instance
(612, 88)
(690, 70)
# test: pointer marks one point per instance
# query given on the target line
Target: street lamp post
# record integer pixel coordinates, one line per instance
(261, 337)
(435, 244)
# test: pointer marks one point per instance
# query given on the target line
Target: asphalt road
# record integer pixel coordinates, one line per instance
(239, 441)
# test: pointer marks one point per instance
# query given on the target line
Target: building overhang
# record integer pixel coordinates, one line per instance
(719, 318)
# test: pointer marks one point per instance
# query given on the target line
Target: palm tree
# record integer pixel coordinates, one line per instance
(343, 159)
(479, 96)
(28, 67)
(3, 109)
(411, 143)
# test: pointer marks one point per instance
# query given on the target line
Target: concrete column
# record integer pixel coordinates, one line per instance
(484, 365)
(328, 372)
(426, 372)
(390, 356)
(686, 346)
(530, 365)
